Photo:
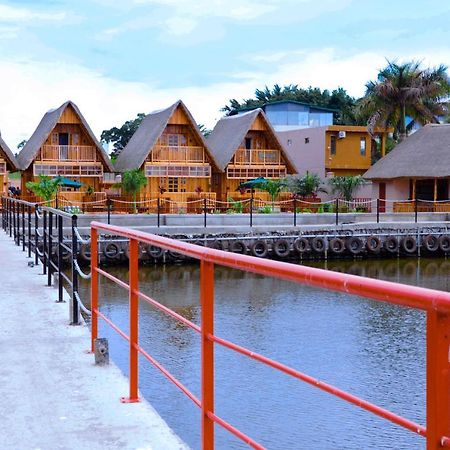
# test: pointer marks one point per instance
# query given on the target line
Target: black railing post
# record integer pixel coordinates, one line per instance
(295, 211)
(18, 222)
(251, 210)
(108, 204)
(36, 233)
(10, 218)
(45, 237)
(378, 210)
(13, 204)
(3, 213)
(23, 225)
(29, 229)
(204, 212)
(59, 219)
(415, 210)
(337, 211)
(75, 307)
(50, 248)
(158, 211)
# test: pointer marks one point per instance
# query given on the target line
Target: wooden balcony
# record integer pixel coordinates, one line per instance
(180, 154)
(264, 157)
(68, 153)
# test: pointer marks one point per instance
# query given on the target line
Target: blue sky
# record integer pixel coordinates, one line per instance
(117, 58)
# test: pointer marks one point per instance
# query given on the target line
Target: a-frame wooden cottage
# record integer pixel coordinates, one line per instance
(246, 147)
(64, 145)
(169, 147)
(8, 164)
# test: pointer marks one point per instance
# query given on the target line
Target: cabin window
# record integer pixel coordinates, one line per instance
(362, 146)
(172, 184)
(176, 140)
(332, 145)
(248, 143)
(184, 171)
(75, 139)
(2, 168)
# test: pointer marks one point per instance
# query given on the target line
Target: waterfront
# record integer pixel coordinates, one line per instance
(371, 349)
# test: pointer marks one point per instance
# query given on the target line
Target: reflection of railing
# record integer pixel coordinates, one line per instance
(256, 156)
(436, 305)
(177, 154)
(68, 153)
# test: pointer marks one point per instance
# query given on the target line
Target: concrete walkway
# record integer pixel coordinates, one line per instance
(52, 395)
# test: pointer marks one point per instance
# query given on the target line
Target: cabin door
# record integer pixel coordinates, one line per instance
(63, 146)
(382, 196)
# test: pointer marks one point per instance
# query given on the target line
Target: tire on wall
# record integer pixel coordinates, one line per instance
(154, 252)
(318, 244)
(336, 245)
(238, 247)
(391, 244)
(374, 244)
(281, 248)
(431, 242)
(302, 245)
(259, 249)
(444, 243)
(354, 245)
(85, 252)
(111, 251)
(409, 244)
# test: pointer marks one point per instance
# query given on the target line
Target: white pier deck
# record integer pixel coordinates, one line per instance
(52, 395)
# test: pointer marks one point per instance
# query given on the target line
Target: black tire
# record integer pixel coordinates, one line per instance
(216, 245)
(176, 255)
(336, 245)
(391, 244)
(238, 247)
(431, 242)
(111, 250)
(444, 243)
(409, 244)
(154, 252)
(199, 243)
(259, 248)
(301, 245)
(354, 245)
(85, 251)
(374, 244)
(318, 244)
(281, 248)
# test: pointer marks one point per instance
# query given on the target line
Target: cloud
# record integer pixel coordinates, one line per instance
(11, 14)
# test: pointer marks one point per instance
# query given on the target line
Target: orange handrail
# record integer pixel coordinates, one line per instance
(435, 303)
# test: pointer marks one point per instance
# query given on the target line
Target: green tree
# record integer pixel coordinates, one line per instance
(307, 185)
(132, 182)
(22, 144)
(272, 187)
(345, 187)
(205, 131)
(45, 188)
(121, 136)
(403, 90)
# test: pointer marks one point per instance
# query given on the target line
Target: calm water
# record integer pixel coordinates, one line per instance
(370, 349)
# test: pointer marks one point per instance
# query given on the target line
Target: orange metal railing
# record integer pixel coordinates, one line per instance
(436, 304)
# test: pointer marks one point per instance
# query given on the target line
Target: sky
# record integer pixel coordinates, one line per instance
(117, 58)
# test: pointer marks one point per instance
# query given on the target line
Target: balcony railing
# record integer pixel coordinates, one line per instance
(250, 157)
(68, 153)
(177, 154)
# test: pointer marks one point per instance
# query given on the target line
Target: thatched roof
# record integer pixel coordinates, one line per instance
(42, 132)
(10, 158)
(229, 133)
(424, 154)
(143, 140)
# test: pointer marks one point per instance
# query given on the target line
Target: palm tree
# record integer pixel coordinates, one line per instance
(132, 182)
(45, 187)
(406, 90)
(345, 187)
(306, 185)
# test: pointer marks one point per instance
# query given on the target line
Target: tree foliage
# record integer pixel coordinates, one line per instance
(403, 90)
(132, 182)
(307, 185)
(121, 136)
(338, 99)
(45, 187)
(345, 187)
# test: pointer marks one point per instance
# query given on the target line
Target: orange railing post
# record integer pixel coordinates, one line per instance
(438, 378)
(134, 320)
(94, 288)
(207, 352)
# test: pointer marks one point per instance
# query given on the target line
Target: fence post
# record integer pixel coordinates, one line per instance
(415, 210)
(438, 378)
(134, 318)
(29, 230)
(75, 307)
(13, 204)
(94, 287)
(50, 248)
(18, 222)
(207, 351)
(251, 210)
(295, 211)
(44, 233)
(337, 211)
(158, 210)
(204, 212)
(60, 259)
(109, 210)
(36, 233)
(23, 225)
(10, 217)
(378, 210)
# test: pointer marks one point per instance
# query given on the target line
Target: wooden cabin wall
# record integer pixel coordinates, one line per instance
(183, 184)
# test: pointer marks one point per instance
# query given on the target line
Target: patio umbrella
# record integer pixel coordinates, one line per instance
(63, 181)
(251, 184)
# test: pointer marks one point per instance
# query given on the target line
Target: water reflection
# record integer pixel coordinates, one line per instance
(371, 349)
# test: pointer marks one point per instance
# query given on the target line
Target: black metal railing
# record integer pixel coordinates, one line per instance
(52, 236)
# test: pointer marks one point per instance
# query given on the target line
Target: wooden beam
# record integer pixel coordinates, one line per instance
(383, 145)
(435, 189)
(414, 190)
